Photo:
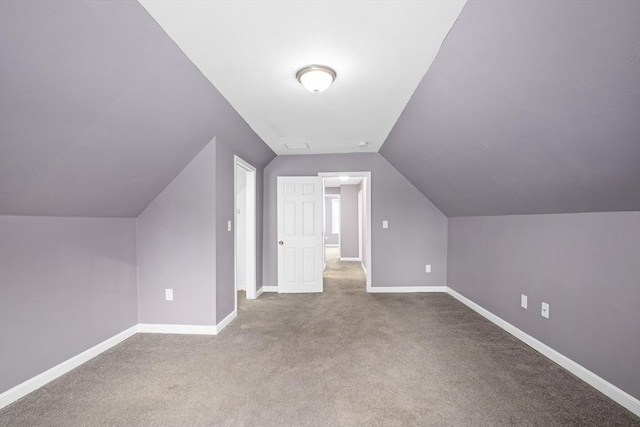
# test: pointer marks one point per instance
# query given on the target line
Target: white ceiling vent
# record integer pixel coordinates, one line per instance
(297, 146)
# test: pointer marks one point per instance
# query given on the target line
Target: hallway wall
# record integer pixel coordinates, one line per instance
(417, 233)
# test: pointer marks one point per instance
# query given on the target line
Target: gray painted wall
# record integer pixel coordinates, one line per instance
(349, 221)
(329, 237)
(100, 109)
(530, 107)
(584, 265)
(417, 233)
(66, 284)
(225, 275)
(176, 236)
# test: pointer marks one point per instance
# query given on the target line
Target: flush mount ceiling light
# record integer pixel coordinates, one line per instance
(316, 78)
(344, 178)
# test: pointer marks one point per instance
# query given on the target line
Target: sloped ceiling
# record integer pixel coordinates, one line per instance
(99, 109)
(530, 107)
(251, 51)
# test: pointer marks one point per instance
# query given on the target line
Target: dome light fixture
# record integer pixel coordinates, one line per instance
(316, 78)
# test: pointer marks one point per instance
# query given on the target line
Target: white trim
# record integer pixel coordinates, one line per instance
(349, 258)
(224, 322)
(331, 245)
(406, 289)
(51, 374)
(600, 384)
(363, 267)
(250, 227)
(154, 328)
(259, 291)
(360, 230)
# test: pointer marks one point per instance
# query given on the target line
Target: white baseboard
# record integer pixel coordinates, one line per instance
(405, 289)
(224, 322)
(608, 389)
(51, 374)
(259, 292)
(156, 328)
(347, 258)
(600, 384)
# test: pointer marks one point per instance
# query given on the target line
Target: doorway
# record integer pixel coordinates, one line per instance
(245, 228)
(347, 199)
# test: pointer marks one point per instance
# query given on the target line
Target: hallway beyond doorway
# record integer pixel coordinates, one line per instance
(340, 276)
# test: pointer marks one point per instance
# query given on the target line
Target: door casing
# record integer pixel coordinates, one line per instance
(248, 244)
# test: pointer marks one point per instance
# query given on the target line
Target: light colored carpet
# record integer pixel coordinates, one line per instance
(340, 358)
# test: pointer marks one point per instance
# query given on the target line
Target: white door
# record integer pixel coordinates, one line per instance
(300, 242)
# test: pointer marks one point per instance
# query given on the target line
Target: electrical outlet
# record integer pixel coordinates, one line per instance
(545, 310)
(168, 294)
(385, 224)
(427, 268)
(523, 301)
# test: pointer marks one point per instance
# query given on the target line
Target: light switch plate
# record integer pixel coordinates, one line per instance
(228, 225)
(427, 268)
(523, 301)
(385, 224)
(168, 294)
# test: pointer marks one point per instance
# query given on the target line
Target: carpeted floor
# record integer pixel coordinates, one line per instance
(339, 358)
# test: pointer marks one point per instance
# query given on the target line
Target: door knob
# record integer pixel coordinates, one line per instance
(281, 243)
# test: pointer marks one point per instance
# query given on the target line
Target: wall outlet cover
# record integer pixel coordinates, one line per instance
(523, 301)
(545, 310)
(427, 268)
(168, 294)
(385, 224)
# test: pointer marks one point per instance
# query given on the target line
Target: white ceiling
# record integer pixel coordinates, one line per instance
(250, 51)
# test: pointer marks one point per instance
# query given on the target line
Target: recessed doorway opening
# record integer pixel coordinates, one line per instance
(245, 228)
(347, 222)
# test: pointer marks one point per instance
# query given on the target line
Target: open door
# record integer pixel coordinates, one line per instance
(300, 240)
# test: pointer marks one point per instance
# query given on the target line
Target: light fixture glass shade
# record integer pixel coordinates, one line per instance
(316, 78)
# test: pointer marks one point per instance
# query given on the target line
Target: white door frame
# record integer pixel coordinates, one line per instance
(360, 230)
(250, 228)
(367, 176)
